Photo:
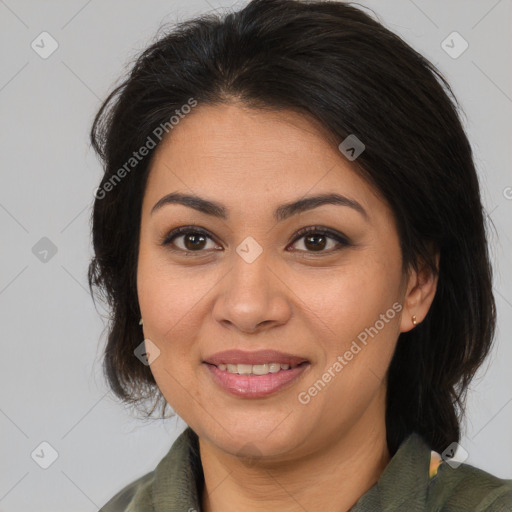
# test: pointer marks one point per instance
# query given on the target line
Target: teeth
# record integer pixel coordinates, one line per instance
(254, 369)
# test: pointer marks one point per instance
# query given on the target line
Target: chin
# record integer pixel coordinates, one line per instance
(251, 438)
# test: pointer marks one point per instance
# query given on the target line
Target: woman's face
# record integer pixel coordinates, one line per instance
(248, 282)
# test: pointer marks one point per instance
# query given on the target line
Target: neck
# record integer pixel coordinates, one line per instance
(331, 479)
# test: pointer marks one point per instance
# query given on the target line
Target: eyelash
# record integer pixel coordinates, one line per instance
(317, 230)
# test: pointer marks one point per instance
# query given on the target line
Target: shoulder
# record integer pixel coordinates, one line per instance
(122, 501)
(467, 488)
(175, 480)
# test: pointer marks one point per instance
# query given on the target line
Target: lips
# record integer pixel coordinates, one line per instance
(254, 358)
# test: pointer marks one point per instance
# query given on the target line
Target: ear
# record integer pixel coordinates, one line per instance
(419, 295)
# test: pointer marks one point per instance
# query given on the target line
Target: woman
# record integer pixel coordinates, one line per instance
(290, 234)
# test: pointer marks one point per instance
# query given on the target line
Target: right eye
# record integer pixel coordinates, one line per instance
(193, 239)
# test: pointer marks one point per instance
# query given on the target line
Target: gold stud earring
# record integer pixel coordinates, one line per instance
(140, 322)
(414, 322)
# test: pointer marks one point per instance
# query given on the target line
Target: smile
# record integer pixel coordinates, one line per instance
(255, 381)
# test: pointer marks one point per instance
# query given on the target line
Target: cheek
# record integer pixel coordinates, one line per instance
(169, 295)
(170, 303)
(344, 301)
(358, 307)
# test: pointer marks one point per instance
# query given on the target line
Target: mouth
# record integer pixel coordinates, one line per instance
(255, 374)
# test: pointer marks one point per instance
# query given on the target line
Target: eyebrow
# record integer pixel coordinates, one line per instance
(281, 213)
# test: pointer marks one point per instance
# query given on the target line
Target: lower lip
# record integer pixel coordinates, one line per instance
(255, 386)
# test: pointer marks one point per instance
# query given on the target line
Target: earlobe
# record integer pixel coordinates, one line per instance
(419, 295)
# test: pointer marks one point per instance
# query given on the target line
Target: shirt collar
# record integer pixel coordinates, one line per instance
(403, 484)
(179, 477)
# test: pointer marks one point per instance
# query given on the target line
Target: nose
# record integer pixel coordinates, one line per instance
(252, 297)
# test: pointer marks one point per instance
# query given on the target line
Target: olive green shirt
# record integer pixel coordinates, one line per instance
(411, 482)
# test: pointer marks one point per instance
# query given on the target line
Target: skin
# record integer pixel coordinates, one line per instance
(273, 453)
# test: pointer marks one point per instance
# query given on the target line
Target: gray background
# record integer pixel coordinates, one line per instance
(51, 383)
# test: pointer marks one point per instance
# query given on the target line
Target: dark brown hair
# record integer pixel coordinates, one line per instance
(336, 65)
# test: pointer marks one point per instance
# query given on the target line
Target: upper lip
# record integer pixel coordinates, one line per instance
(256, 357)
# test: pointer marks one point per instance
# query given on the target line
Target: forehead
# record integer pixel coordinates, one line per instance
(240, 156)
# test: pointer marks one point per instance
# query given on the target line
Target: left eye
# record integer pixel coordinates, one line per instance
(315, 239)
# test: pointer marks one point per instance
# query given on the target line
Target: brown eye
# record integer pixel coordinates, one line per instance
(317, 239)
(315, 242)
(193, 239)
